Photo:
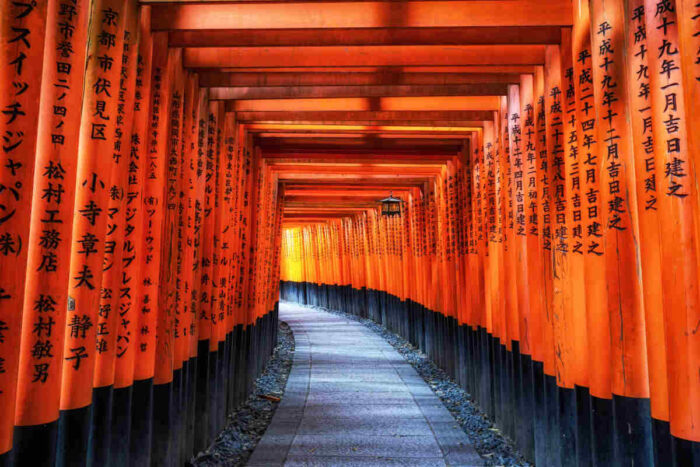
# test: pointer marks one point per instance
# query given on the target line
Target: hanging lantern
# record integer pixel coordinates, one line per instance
(391, 206)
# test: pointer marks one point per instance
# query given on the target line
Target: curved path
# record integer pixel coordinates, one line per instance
(351, 399)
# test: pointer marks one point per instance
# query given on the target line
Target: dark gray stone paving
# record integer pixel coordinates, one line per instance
(352, 400)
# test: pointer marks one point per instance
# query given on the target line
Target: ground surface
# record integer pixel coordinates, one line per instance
(246, 425)
(352, 399)
(489, 441)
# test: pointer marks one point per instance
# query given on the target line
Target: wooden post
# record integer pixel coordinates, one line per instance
(95, 160)
(45, 294)
(674, 139)
(109, 317)
(630, 378)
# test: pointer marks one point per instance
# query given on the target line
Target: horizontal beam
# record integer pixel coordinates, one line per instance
(327, 68)
(405, 123)
(321, 208)
(326, 15)
(294, 203)
(366, 168)
(287, 157)
(292, 92)
(365, 36)
(310, 219)
(368, 129)
(415, 182)
(354, 56)
(329, 193)
(351, 152)
(356, 135)
(360, 104)
(349, 188)
(364, 116)
(368, 143)
(394, 163)
(388, 76)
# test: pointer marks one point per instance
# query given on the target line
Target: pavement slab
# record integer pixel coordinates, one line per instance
(352, 400)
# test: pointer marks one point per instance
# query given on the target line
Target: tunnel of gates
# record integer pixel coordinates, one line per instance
(547, 255)
(551, 266)
(148, 228)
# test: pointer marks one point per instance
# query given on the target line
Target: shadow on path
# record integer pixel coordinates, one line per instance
(351, 399)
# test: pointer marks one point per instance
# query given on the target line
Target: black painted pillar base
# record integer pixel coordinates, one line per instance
(121, 425)
(602, 432)
(163, 425)
(201, 421)
(73, 437)
(551, 404)
(663, 442)
(213, 414)
(633, 438)
(686, 452)
(141, 423)
(540, 413)
(191, 407)
(33, 445)
(583, 426)
(100, 440)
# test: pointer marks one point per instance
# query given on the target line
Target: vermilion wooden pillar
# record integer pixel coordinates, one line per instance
(572, 395)
(647, 177)
(542, 348)
(201, 433)
(109, 316)
(222, 258)
(556, 349)
(129, 374)
(48, 243)
(187, 252)
(231, 237)
(488, 323)
(95, 163)
(155, 145)
(519, 309)
(493, 271)
(529, 315)
(499, 318)
(630, 378)
(166, 382)
(678, 210)
(591, 161)
(217, 316)
(237, 241)
(125, 389)
(22, 29)
(688, 16)
(515, 209)
(208, 330)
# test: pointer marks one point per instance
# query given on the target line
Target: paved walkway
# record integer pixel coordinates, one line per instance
(352, 400)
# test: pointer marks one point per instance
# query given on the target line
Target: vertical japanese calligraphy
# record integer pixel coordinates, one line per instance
(678, 205)
(43, 317)
(95, 149)
(629, 371)
(23, 26)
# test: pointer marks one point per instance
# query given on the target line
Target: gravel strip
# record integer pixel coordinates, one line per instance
(489, 441)
(246, 426)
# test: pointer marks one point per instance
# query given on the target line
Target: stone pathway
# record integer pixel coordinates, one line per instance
(352, 400)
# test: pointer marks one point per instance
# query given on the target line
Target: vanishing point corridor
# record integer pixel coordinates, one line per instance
(351, 399)
(510, 186)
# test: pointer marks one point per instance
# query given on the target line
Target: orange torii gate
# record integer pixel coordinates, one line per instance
(217, 156)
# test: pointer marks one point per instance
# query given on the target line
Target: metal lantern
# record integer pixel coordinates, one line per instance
(391, 206)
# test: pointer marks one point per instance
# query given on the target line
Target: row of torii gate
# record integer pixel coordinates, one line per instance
(161, 161)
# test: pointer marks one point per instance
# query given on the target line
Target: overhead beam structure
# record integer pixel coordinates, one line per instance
(164, 160)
